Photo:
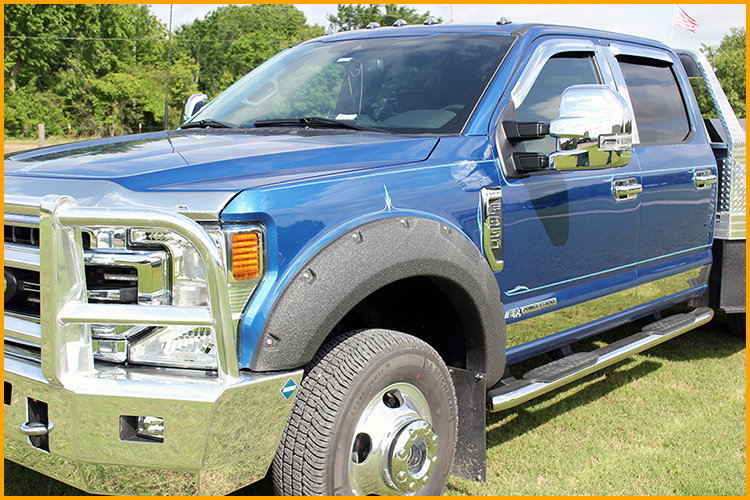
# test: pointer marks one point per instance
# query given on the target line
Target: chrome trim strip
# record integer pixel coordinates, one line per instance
(21, 256)
(622, 88)
(23, 331)
(13, 204)
(23, 352)
(134, 314)
(20, 220)
(640, 51)
(22, 316)
(201, 205)
(534, 389)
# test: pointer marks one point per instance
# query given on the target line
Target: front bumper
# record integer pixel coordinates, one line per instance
(218, 437)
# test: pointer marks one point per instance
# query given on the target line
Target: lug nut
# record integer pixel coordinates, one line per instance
(401, 477)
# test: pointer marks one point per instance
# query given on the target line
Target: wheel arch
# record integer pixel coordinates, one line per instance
(388, 261)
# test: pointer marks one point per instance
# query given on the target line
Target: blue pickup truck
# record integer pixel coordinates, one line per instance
(333, 269)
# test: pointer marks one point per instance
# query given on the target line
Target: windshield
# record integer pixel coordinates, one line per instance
(415, 84)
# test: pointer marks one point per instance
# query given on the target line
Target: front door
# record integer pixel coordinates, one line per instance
(567, 236)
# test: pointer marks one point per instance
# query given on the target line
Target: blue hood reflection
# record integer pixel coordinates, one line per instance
(218, 161)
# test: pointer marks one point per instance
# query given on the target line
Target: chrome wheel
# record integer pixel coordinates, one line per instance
(394, 450)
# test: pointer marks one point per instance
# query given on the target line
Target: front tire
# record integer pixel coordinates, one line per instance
(375, 414)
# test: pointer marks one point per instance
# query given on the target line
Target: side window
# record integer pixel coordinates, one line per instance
(542, 103)
(658, 105)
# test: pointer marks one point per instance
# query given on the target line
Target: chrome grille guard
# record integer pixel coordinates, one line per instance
(65, 338)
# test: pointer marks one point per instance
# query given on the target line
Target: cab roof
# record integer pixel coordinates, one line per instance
(530, 30)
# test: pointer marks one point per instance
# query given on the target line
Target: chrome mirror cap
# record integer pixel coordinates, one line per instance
(593, 130)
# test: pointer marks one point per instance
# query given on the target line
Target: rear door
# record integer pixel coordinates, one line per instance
(677, 166)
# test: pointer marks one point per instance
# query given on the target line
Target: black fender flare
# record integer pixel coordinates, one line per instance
(362, 260)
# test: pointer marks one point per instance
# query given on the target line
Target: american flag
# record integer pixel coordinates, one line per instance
(685, 21)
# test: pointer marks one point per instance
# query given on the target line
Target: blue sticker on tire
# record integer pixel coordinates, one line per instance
(289, 388)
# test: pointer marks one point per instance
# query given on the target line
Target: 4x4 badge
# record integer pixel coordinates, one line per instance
(289, 388)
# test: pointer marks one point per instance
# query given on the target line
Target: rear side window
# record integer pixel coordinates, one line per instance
(657, 101)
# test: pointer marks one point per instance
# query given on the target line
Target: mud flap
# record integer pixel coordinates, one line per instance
(470, 459)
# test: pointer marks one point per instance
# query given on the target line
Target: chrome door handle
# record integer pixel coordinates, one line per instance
(626, 189)
(703, 179)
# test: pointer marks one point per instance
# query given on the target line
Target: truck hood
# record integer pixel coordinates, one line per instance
(218, 160)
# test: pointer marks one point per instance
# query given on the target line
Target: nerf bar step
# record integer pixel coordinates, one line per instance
(548, 377)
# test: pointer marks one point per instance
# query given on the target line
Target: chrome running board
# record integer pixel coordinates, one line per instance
(546, 378)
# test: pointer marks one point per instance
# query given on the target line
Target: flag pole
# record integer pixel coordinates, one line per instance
(671, 35)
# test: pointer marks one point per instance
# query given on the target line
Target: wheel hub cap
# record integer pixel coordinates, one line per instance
(413, 456)
(394, 447)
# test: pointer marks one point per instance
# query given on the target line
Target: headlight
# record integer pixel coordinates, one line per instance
(189, 287)
(184, 284)
(177, 346)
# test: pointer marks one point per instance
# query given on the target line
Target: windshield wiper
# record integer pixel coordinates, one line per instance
(316, 121)
(208, 123)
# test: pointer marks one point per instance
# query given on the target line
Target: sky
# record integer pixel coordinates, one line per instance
(653, 21)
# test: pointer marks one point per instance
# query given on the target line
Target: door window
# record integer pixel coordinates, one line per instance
(659, 108)
(542, 103)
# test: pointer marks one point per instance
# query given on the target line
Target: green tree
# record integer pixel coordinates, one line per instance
(728, 61)
(233, 40)
(92, 66)
(103, 68)
(358, 16)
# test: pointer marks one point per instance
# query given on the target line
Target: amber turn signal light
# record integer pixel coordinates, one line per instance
(245, 256)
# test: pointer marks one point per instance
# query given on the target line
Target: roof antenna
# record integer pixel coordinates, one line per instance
(169, 60)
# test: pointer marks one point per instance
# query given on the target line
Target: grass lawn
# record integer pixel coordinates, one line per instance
(669, 421)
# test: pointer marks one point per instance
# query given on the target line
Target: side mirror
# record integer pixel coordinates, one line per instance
(194, 103)
(593, 131)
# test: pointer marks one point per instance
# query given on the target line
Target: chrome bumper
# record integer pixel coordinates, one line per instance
(218, 437)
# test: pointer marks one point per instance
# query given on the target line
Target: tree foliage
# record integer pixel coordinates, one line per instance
(728, 61)
(233, 40)
(358, 16)
(82, 64)
(103, 68)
